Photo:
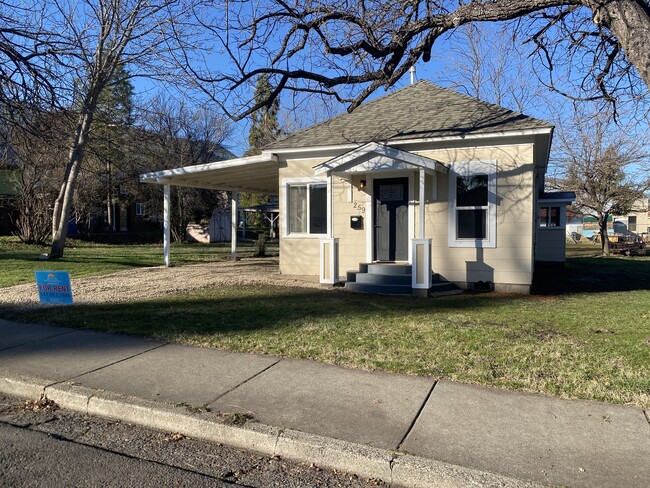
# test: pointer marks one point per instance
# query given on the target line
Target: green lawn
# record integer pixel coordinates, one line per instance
(19, 261)
(587, 336)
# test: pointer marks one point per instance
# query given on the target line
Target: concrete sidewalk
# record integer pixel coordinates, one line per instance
(405, 430)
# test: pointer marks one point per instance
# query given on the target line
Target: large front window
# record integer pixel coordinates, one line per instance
(307, 204)
(472, 204)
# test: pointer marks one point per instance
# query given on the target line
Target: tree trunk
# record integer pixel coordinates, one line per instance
(604, 237)
(63, 203)
(630, 23)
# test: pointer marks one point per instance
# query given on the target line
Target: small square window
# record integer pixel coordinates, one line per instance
(139, 209)
(549, 217)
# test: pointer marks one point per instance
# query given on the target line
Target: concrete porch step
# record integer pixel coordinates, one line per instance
(390, 279)
(379, 289)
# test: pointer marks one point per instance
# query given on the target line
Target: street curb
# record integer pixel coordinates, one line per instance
(393, 467)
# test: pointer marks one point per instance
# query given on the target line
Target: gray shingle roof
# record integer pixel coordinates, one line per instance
(421, 110)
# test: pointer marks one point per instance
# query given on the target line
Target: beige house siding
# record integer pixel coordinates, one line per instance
(509, 263)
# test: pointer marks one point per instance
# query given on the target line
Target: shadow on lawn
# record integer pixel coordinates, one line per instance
(245, 310)
(593, 275)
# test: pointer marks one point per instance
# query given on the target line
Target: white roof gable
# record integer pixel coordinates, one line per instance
(377, 157)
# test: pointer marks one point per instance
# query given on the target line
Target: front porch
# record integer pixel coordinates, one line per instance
(389, 188)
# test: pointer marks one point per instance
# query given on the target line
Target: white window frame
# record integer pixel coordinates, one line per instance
(140, 209)
(466, 169)
(287, 183)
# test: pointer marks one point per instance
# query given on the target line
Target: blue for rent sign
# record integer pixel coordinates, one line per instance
(54, 286)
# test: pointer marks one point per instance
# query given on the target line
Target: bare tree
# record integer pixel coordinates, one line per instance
(350, 49)
(179, 135)
(606, 165)
(487, 63)
(34, 157)
(100, 37)
(27, 78)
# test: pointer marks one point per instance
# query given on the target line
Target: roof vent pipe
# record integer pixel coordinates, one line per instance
(412, 71)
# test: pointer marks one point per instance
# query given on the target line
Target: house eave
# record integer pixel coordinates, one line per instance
(415, 141)
(258, 174)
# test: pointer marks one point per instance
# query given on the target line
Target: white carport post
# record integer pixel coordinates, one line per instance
(166, 224)
(421, 249)
(233, 225)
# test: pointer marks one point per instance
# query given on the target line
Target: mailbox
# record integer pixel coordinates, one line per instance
(356, 222)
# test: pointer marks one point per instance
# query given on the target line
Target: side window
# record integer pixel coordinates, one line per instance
(472, 204)
(631, 223)
(306, 208)
(549, 217)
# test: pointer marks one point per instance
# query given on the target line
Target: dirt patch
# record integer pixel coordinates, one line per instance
(148, 283)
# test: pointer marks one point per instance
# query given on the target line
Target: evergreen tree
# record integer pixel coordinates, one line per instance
(109, 163)
(264, 130)
(264, 122)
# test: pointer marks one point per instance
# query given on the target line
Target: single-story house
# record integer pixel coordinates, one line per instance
(423, 182)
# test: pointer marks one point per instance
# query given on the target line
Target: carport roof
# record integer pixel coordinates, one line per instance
(256, 174)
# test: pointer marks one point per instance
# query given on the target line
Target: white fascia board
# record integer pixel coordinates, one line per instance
(167, 176)
(465, 137)
(544, 201)
(348, 157)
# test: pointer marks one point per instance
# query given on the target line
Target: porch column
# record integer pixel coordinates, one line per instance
(422, 200)
(233, 226)
(166, 224)
(421, 251)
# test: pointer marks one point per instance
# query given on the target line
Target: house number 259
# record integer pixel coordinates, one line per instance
(361, 208)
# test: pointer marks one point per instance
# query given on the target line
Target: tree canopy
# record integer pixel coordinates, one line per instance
(349, 49)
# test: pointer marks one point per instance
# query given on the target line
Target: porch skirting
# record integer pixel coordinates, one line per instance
(421, 256)
(329, 260)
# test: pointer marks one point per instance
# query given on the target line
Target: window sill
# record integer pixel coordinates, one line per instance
(305, 236)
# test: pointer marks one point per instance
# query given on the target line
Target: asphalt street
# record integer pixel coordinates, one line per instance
(41, 445)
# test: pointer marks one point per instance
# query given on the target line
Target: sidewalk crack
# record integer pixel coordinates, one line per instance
(417, 415)
(243, 382)
(110, 364)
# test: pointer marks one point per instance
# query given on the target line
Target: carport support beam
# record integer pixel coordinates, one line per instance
(166, 224)
(233, 223)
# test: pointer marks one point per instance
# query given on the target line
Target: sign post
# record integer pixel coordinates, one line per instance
(54, 287)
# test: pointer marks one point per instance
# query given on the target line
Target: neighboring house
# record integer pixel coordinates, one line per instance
(447, 184)
(636, 222)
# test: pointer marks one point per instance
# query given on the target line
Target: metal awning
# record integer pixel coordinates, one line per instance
(255, 174)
